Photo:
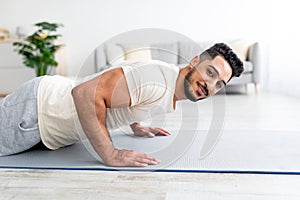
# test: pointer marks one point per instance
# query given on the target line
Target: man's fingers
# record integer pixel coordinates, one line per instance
(143, 162)
(139, 159)
(146, 161)
(121, 158)
(138, 164)
(143, 155)
(160, 131)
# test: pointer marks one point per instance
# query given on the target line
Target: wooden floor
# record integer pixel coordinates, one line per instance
(40, 184)
(243, 112)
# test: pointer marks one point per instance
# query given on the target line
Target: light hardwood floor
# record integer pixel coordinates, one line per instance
(243, 112)
(45, 184)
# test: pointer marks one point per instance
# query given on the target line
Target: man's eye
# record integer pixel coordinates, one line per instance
(209, 73)
(219, 85)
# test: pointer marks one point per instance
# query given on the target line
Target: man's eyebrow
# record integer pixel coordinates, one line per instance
(214, 68)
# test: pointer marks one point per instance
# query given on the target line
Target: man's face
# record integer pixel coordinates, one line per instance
(206, 78)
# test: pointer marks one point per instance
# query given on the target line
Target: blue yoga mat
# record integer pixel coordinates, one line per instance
(235, 152)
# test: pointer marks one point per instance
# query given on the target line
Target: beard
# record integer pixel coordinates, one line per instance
(188, 89)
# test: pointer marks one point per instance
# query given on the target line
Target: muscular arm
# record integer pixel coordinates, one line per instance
(91, 100)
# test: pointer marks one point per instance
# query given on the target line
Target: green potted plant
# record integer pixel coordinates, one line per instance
(38, 50)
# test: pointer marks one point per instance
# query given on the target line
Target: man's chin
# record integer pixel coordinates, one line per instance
(195, 100)
(192, 98)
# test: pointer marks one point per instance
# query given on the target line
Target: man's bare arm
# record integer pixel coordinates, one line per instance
(91, 100)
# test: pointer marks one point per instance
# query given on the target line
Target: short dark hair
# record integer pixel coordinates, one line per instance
(227, 53)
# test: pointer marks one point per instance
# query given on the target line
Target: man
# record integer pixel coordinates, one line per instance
(42, 109)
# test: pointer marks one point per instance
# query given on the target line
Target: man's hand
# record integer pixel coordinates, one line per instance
(142, 131)
(121, 158)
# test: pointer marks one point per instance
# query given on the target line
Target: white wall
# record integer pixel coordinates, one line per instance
(88, 23)
(284, 77)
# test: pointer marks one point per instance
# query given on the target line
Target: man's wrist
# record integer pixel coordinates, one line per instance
(108, 155)
(134, 125)
(105, 149)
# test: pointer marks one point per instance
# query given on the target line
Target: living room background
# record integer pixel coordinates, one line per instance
(91, 22)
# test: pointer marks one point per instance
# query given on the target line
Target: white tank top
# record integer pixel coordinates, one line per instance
(151, 86)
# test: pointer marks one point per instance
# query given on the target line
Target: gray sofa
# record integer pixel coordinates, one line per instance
(178, 53)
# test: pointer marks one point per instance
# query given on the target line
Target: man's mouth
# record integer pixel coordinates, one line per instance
(201, 90)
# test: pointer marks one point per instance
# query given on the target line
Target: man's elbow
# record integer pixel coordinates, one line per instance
(83, 93)
(77, 93)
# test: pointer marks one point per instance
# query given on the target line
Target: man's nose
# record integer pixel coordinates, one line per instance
(210, 85)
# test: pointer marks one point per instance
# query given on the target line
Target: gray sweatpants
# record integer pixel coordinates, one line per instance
(19, 129)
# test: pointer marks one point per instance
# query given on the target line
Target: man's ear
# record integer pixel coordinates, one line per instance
(194, 61)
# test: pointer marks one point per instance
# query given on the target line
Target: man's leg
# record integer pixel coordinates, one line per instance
(19, 129)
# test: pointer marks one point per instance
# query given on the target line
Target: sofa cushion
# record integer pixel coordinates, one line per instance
(114, 54)
(137, 52)
(241, 48)
(243, 79)
(167, 52)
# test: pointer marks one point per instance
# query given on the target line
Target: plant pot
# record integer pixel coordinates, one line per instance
(41, 70)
